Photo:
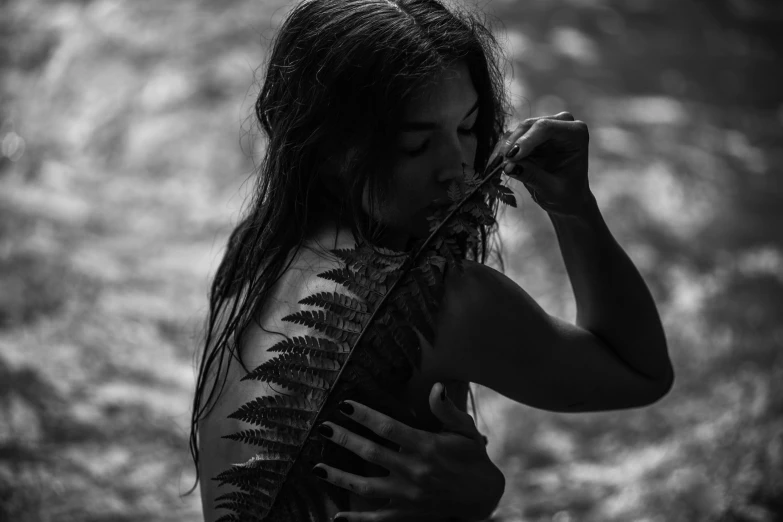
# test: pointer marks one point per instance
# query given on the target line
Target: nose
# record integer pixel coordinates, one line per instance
(452, 165)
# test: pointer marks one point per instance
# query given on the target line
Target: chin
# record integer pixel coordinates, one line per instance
(416, 228)
(420, 227)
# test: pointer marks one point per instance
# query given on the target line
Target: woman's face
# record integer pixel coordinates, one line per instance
(436, 138)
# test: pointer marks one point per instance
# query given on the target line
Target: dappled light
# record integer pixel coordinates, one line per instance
(127, 149)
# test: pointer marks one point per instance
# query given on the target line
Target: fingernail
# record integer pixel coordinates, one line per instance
(443, 393)
(325, 430)
(319, 472)
(346, 408)
(495, 162)
(513, 151)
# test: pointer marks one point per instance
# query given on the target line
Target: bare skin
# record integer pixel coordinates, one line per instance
(489, 331)
(428, 156)
(614, 357)
(457, 458)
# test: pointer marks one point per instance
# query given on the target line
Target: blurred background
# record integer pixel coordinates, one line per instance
(127, 140)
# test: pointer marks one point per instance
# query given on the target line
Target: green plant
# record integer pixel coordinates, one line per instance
(371, 348)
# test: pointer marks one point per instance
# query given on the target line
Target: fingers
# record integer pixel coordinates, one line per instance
(383, 515)
(383, 425)
(564, 116)
(545, 129)
(370, 487)
(366, 449)
(509, 138)
(526, 171)
(498, 153)
(454, 420)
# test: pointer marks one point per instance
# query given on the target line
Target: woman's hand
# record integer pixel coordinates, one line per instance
(434, 476)
(549, 156)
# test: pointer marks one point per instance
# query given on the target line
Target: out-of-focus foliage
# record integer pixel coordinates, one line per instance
(123, 153)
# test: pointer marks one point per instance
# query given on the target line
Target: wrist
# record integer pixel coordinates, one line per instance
(586, 212)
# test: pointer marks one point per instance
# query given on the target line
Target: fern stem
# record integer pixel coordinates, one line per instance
(405, 268)
(446, 219)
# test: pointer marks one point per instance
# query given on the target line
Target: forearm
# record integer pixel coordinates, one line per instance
(612, 300)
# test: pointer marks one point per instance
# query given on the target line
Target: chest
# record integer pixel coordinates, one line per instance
(414, 396)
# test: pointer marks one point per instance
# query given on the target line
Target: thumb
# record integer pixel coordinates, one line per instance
(454, 420)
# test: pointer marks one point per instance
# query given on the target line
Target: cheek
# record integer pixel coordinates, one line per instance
(410, 190)
(403, 198)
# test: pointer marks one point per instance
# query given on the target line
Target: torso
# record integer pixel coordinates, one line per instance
(299, 281)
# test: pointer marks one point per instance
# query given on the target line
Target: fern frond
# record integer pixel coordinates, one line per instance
(454, 192)
(481, 213)
(373, 344)
(506, 195)
(427, 266)
(365, 288)
(472, 179)
(341, 304)
(251, 483)
(294, 361)
(272, 462)
(332, 325)
(277, 411)
(394, 337)
(317, 346)
(270, 440)
(450, 250)
(241, 473)
(379, 258)
(246, 504)
(414, 307)
(306, 382)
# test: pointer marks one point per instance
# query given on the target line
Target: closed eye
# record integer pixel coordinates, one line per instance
(420, 150)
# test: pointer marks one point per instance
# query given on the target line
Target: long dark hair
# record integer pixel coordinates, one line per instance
(339, 74)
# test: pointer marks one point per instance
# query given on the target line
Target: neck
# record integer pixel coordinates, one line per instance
(328, 235)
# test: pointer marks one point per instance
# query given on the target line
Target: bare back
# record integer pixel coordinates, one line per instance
(299, 280)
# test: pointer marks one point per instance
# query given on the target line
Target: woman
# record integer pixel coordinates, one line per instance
(372, 108)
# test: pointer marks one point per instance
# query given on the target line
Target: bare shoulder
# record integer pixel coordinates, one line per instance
(481, 293)
(491, 332)
(298, 281)
(482, 306)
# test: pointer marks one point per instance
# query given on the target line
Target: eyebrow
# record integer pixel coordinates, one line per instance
(408, 126)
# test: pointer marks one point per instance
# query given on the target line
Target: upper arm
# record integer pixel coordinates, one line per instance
(490, 331)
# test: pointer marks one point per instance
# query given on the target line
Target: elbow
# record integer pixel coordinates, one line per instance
(668, 383)
(661, 387)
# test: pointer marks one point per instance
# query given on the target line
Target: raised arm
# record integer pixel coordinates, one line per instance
(492, 332)
(612, 299)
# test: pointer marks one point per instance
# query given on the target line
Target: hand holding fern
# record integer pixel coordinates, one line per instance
(434, 476)
(549, 155)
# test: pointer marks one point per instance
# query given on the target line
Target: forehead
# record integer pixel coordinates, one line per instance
(449, 95)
